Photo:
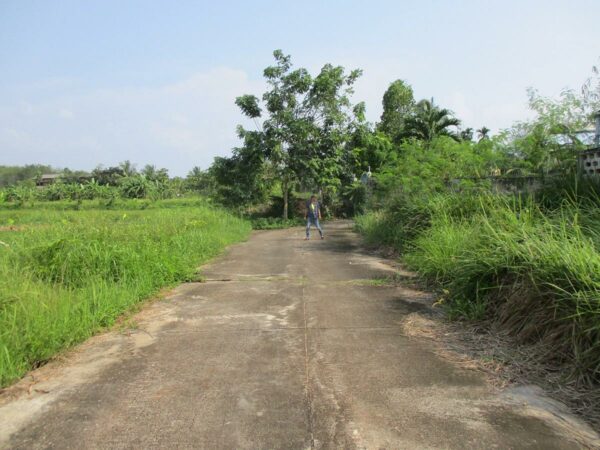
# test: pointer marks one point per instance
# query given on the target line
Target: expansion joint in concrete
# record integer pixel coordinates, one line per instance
(307, 371)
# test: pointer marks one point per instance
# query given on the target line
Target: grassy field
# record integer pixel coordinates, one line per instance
(65, 273)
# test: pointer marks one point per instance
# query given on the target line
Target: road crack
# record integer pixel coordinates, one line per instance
(307, 389)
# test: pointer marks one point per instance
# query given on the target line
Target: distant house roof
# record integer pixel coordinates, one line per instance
(48, 179)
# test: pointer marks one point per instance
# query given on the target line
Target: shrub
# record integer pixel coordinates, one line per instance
(537, 274)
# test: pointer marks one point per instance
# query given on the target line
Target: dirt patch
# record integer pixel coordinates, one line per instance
(506, 363)
(23, 227)
(12, 228)
(507, 366)
(26, 399)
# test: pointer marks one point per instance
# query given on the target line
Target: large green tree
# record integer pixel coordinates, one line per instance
(398, 104)
(200, 181)
(303, 123)
(242, 179)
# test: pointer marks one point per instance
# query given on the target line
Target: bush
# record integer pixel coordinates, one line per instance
(534, 273)
(395, 225)
(136, 187)
(354, 199)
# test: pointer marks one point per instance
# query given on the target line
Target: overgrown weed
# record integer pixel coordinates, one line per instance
(68, 274)
(531, 266)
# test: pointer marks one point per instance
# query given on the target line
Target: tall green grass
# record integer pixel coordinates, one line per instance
(535, 272)
(66, 274)
(396, 225)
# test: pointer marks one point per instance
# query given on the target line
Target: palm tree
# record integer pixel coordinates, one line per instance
(149, 171)
(483, 133)
(196, 172)
(467, 134)
(430, 121)
(128, 168)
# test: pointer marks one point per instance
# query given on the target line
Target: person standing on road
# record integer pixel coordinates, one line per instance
(312, 216)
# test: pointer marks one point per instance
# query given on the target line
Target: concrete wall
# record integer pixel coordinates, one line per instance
(589, 162)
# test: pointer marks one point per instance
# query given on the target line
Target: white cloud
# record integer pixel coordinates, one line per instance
(177, 125)
(65, 113)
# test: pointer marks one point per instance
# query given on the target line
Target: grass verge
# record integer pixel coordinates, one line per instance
(533, 272)
(64, 275)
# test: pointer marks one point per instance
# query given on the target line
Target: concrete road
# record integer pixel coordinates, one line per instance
(287, 344)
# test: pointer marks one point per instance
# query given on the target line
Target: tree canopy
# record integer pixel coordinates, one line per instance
(398, 105)
(303, 124)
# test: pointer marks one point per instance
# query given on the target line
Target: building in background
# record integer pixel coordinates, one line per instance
(589, 160)
(47, 179)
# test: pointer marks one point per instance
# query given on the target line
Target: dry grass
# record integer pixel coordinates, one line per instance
(483, 346)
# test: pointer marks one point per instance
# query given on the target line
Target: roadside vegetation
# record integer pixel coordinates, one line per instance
(66, 274)
(503, 227)
(533, 271)
(500, 225)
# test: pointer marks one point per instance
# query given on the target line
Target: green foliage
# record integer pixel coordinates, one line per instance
(398, 105)
(200, 181)
(272, 223)
(110, 176)
(371, 150)
(397, 224)
(136, 187)
(530, 266)
(549, 143)
(66, 274)
(433, 167)
(12, 175)
(128, 168)
(116, 182)
(483, 133)
(533, 271)
(354, 198)
(242, 179)
(151, 173)
(429, 122)
(306, 123)
(249, 105)
(20, 195)
(466, 134)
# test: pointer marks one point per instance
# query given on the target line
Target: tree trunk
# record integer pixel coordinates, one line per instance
(285, 191)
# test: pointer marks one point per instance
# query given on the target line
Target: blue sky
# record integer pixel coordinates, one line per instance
(90, 82)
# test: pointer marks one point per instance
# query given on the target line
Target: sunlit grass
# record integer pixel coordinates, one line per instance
(535, 272)
(66, 274)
